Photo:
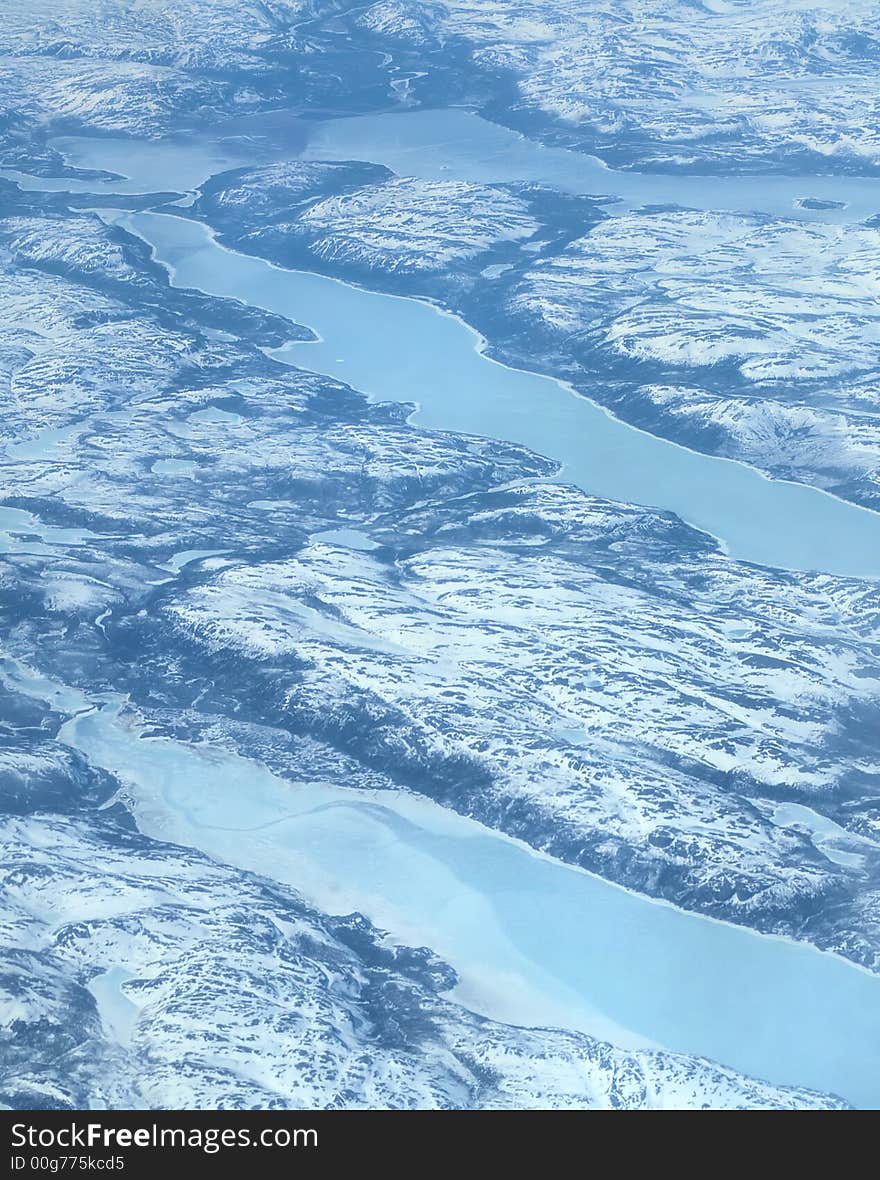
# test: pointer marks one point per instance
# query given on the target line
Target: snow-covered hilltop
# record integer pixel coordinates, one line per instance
(376, 227)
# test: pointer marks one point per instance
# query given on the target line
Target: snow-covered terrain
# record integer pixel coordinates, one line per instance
(777, 320)
(257, 559)
(779, 302)
(638, 747)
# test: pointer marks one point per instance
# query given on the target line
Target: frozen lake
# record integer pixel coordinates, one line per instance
(535, 941)
(441, 145)
(406, 350)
